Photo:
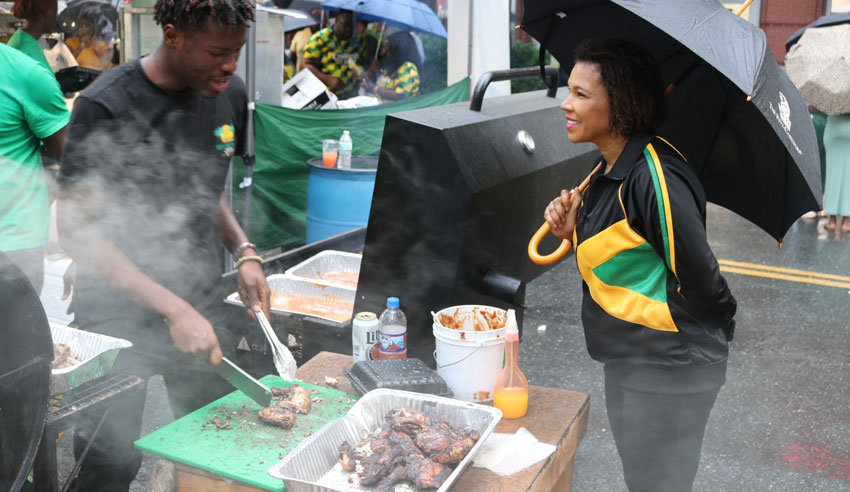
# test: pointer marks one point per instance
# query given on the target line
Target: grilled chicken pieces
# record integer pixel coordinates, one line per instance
(293, 399)
(280, 417)
(409, 446)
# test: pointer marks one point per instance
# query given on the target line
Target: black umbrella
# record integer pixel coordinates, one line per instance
(822, 21)
(733, 112)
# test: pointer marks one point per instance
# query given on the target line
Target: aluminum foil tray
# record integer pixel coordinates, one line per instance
(96, 352)
(281, 284)
(302, 469)
(316, 268)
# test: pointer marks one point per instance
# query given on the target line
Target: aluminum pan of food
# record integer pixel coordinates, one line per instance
(299, 296)
(312, 466)
(335, 268)
(91, 355)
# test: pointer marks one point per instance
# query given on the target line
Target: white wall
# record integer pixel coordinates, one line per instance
(479, 42)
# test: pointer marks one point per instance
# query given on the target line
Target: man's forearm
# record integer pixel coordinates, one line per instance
(227, 227)
(333, 83)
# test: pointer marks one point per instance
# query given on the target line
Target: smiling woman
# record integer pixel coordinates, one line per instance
(655, 311)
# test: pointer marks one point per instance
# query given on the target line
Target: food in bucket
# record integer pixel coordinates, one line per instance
(415, 447)
(475, 319)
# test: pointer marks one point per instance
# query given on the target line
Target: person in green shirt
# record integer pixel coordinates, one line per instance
(41, 19)
(328, 52)
(32, 110)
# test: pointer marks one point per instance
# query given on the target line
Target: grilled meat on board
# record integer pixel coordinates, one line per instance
(278, 416)
(293, 399)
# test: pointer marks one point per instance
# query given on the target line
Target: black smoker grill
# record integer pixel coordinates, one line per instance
(459, 192)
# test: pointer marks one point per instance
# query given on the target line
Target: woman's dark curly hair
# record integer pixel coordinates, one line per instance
(193, 14)
(632, 77)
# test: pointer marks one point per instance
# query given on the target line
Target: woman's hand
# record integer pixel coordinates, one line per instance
(561, 213)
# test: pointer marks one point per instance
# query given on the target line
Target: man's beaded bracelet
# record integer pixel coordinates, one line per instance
(242, 260)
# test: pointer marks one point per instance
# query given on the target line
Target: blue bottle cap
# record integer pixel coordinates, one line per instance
(392, 302)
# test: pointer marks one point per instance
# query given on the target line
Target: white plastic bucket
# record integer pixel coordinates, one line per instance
(469, 367)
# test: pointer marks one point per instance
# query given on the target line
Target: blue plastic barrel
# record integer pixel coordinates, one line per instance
(338, 200)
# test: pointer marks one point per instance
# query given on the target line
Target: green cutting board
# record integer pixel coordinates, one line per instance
(246, 451)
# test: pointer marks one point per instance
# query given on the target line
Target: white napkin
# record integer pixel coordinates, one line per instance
(506, 454)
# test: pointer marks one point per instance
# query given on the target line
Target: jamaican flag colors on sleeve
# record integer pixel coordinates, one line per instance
(405, 80)
(652, 287)
(331, 54)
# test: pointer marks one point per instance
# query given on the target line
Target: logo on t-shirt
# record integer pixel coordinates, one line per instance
(226, 135)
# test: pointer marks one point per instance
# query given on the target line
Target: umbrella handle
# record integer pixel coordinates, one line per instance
(538, 236)
(743, 8)
(534, 244)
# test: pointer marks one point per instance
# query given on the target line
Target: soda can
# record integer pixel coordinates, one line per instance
(364, 334)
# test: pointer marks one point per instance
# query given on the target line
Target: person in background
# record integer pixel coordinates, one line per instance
(32, 111)
(87, 48)
(143, 211)
(401, 72)
(836, 142)
(328, 53)
(819, 121)
(656, 310)
(302, 38)
(41, 19)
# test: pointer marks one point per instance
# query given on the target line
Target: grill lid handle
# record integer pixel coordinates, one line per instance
(551, 81)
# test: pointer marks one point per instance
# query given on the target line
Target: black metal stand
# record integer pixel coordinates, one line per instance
(94, 397)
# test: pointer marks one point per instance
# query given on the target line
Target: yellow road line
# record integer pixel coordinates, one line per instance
(782, 276)
(793, 271)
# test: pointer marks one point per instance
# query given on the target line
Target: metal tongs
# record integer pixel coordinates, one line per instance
(284, 362)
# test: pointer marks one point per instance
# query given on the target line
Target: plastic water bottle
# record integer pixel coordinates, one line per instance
(393, 328)
(345, 147)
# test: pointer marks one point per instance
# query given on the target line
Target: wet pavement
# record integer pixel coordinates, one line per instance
(781, 422)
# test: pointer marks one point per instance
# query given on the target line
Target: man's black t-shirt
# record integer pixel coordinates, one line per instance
(156, 162)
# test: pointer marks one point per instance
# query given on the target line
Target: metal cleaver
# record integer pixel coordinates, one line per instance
(243, 381)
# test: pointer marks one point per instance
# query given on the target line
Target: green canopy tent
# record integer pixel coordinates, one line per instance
(286, 138)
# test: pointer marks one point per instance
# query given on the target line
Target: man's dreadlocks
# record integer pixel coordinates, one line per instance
(193, 14)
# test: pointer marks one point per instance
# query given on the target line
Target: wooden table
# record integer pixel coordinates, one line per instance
(555, 416)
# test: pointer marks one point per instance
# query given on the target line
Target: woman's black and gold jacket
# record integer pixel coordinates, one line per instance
(653, 293)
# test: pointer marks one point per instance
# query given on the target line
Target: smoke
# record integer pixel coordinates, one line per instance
(154, 197)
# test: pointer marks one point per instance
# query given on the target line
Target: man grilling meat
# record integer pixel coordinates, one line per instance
(141, 205)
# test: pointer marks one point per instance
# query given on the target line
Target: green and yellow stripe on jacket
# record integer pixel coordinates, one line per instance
(624, 274)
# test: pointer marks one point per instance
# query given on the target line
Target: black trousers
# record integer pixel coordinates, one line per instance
(112, 461)
(658, 434)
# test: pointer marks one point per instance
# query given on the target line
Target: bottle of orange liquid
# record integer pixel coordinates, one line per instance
(511, 392)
